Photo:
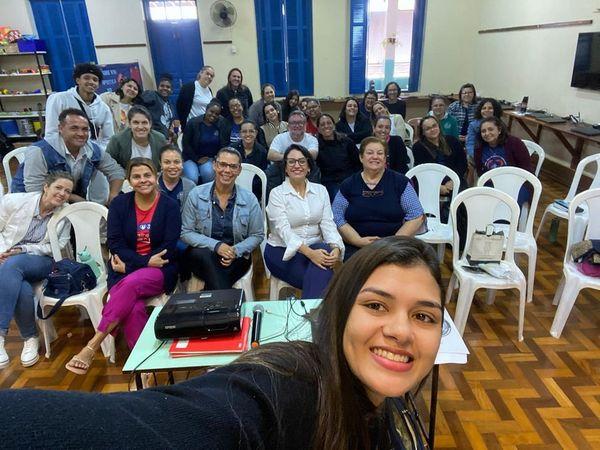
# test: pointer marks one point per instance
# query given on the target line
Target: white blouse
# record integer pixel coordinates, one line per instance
(294, 220)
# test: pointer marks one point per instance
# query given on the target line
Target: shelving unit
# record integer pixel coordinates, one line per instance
(30, 105)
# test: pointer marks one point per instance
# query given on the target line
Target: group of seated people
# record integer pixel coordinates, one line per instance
(326, 197)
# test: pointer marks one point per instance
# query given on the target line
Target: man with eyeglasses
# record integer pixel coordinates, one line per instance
(222, 224)
(296, 134)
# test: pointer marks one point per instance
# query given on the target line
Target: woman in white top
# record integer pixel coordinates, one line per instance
(121, 101)
(396, 120)
(272, 125)
(304, 244)
(139, 140)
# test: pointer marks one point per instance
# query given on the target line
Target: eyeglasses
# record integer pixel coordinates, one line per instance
(223, 165)
(300, 161)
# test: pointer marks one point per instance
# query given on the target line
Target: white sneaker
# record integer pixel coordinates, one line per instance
(30, 355)
(4, 359)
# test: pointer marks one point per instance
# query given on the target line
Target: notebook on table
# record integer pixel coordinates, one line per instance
(552, 119)
(588, 131)
(228, 343)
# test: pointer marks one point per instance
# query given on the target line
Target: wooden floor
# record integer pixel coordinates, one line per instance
(542, 393)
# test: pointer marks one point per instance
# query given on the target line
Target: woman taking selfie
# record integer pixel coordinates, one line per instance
(377, 337)
(143, 227)
(26, 257)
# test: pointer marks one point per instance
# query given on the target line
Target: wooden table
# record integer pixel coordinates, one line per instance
(560, 130)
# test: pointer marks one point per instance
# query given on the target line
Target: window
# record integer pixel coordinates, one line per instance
(386, 40)
(285, 53)
(172, 10)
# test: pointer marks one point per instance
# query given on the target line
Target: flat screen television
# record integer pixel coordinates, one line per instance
(586, 69)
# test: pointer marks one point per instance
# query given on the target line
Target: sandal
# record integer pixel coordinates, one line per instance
(85, 362)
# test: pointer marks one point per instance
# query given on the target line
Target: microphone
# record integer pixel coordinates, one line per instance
(257, 314)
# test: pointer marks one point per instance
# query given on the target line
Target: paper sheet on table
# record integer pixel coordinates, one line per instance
(452, 348)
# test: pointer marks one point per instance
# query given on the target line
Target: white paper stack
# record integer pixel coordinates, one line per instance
(452, 348)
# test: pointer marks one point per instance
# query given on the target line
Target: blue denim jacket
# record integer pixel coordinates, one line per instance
(248, 225)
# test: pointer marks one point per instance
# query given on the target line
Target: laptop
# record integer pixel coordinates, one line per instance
(552, 119)
(588, 131)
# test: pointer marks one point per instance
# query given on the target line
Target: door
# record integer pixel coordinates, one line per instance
(175, 43)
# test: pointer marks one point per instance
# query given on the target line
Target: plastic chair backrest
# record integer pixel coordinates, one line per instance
(509, 180)
(481, 204)
(126, 187)
(414, 123)
(410, 131)
(592, 231)
(429, 178)
(85, 219)
(595, 158)
(1, 190)
(180, 141)
(245, 179)
(411, 157)
(18, 153)
(537, 149)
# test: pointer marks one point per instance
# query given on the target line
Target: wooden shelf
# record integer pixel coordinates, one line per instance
(41, 94)
(20, 116)
(22, 136)
(9, 75)
(22, 53)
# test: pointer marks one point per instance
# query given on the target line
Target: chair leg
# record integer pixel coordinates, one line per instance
(541, 225)
(531, 264)
(273, 288)
(450, 289)
(490, 296)
(567, 300)
(463, 306)
(522, 298)
(559, 291)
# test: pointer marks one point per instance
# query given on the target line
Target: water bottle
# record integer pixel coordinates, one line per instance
(86, 258)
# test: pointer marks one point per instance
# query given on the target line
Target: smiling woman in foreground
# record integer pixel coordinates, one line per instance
(377, 336)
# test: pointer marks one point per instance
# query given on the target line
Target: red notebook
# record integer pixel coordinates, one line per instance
(229, 343)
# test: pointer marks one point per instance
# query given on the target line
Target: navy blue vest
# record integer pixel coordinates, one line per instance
(56, 162)
(378, 211)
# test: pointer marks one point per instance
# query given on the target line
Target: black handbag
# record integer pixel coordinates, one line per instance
(67, 278)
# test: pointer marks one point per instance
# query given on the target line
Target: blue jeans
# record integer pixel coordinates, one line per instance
(199, 173)
(16, 276)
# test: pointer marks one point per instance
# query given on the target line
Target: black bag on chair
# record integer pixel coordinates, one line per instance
(67, 278)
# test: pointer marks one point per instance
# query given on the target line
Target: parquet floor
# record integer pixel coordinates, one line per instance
(542, 393)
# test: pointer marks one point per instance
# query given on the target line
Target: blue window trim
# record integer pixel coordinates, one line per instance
(358, 46)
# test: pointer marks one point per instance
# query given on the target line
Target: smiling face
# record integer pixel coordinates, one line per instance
(268, 94)
(165, 88)
(206, 76)
(271, 114)
(380, 110)
(130, 90)
(326, 127)
(369, 101)
(212, 114)
(87, 83)
(75, 131)
(294, 101)
(487, 110)
(393, 331)
(467, 95)
(227, 167)
(351, 109)
(431, 129)
(57, 193)
(142, 180)
(296, 166)
(236, 109)
(382, 129)
(313, 110)
(248, 133)
(373, 158)
(140, 127)
(438, 107)
(392, 92)
(296, 126)
(489, 133)
(235, 79)
(172, 165)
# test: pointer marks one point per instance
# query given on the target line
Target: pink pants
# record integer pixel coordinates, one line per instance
(126, 304)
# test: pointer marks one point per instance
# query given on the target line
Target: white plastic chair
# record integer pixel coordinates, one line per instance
(126, 187)
(245, 180)
(275, 287)
(429, 176)
(536, 149)
(481, 204)
(85, 219)
(18, 153)
(410, 131)
(509, 180)
(573, 280)
(1, 190)
(411, 158)
(580, 218)
(180, 141)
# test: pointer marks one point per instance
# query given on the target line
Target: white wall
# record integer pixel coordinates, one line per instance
(17, 14)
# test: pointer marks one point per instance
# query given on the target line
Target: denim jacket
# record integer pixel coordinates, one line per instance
(248, 225)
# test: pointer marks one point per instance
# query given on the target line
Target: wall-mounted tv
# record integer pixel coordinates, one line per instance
(586, 69)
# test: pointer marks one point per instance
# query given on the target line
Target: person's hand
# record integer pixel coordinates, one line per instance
(157, 260)
(332, 257)
(319, 258)
(366, 240)
(226, 251)
(117, 265)
(203, 160)
(8, 253)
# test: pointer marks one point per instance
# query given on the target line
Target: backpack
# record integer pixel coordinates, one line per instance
(67, 278)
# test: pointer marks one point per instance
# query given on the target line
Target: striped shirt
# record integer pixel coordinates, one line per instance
(37, 228)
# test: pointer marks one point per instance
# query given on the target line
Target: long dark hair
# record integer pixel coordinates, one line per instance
(501, 127)
(286, 109)
(443, 147)
(343, 110)
(495, 104)
(121, 94)
(344, 410)
(336, 135)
